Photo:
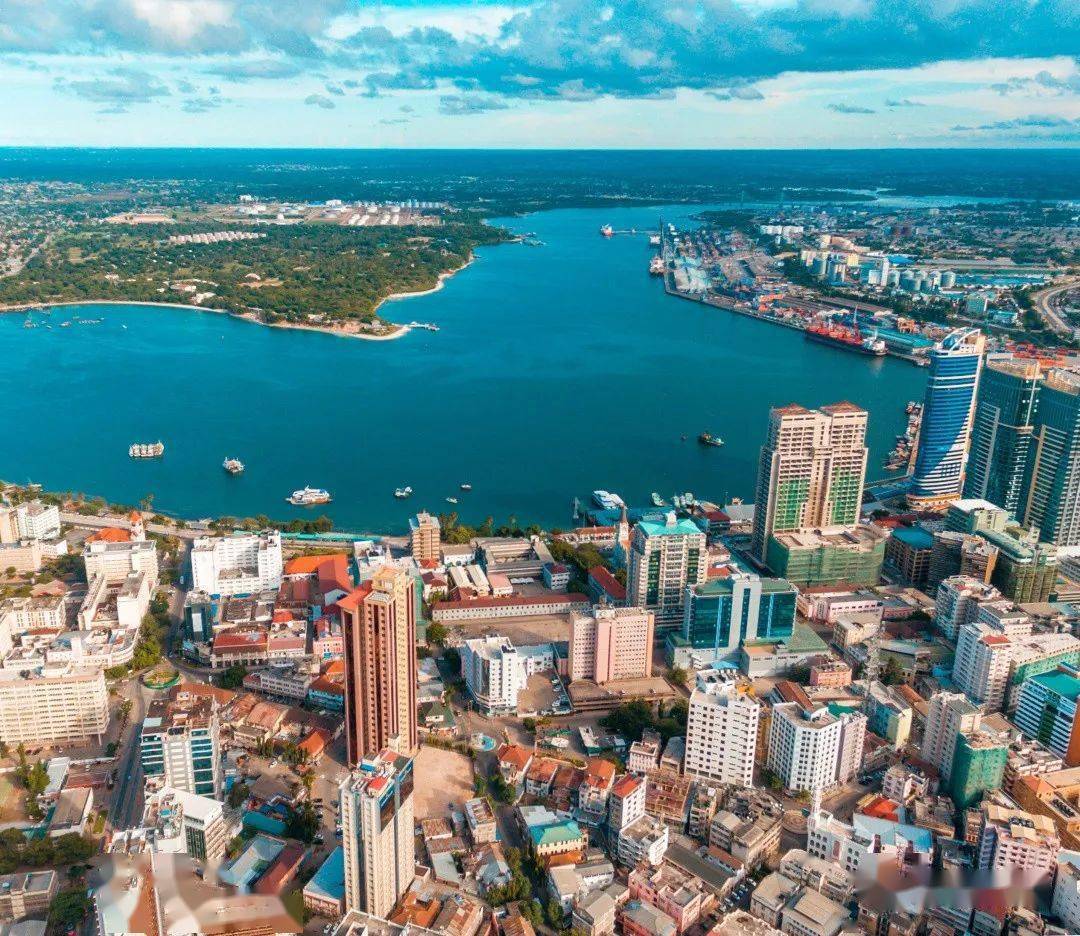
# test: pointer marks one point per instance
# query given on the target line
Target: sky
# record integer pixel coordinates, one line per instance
(540, 73)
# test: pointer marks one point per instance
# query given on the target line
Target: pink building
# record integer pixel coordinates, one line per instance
(327, 640)
(833, 674)
(671, 891)
(608, 644)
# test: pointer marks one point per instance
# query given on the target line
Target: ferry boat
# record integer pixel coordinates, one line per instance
(840, 336)
(402, 493)
(607, 230)
(233, 465)
(465, 486)
(707, 438)
(608, 500)
(657, 500)
(656, 266)
(146, 449)
(307, 496)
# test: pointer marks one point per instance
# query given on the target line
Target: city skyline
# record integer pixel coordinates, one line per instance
(561, 73)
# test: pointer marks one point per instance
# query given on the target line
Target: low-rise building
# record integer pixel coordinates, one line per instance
(27, 894)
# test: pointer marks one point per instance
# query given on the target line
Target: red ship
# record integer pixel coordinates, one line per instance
(840, 336)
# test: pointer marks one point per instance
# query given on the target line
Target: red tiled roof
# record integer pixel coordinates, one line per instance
(110, 535)
(626, 786)
(353, 600)
(315, 743)
(599, 772)
(308, 565)
(512, 601)
(334, 573)
(605, 580)
(994, 640)
(514, 755)
(239, 640)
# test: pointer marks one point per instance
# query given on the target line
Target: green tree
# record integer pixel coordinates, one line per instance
(68, 909)
(233, 677)
(553, 913)
(436, 634)
(893, 673)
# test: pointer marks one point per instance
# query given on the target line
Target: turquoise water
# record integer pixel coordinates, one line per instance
(557, 370)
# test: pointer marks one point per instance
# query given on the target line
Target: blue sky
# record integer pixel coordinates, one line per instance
(550, 73)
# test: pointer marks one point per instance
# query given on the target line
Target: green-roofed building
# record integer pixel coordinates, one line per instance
(722, 613)
(666, 557)
(1046, 711)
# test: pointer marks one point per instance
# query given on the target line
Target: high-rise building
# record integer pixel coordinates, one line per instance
(377, 833)
(1014, 840)
(1001, 432)
(425, 536)
(810, 472)
(57, 703)
(949, 716)
(810, 749)
(379, 627)
(957, 603)
(981, 670)
(608, 643)
(948, 407)
(721, 731)
(666, 556)
(626, 804)
(1047, 712)
(1053, 481)
(237, 565)
(978, 767)
(179, 743)
(724, 612)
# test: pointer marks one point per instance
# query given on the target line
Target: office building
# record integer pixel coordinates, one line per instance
(425, 539)
(978, 768)
(812, 748)
(810, 472)
(724, 612)
(1047, 709)
(666, 556)
(179, 743)
(721, 732)
(494, 672)
(53, 703)
(608, 644)
(948, 408)
(378, 622)
(981, 668)
(826, 557)
(187, 822)
(1052, 504)
(239, 564)
(114, 562)
(908, 553)
(949, 716)
(377, 834)
(1001, 432)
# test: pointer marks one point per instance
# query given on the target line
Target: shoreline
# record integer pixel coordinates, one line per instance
(398, 330)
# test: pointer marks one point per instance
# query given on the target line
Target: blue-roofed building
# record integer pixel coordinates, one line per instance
(260, 822)
(324, 894)
(249, 865)
(1047, 709)
(666, 557)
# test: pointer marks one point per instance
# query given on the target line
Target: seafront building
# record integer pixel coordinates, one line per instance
(666, 556)
(810, 472)
(379, 628)
(425, 537)
(948, 410)
(377, 836)
(1002, 431)
(723, 613)
(237, 565)
(1052, 502)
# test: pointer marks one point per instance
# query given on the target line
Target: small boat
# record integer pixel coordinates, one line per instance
(124, 327)
(146, 449)
(707, 438)
(451, 500)
(657, 500)
(65, 324)
(307, 496)
(465, 486)
(402, 493)
(607, 230)
(233, 465)
(656, 266)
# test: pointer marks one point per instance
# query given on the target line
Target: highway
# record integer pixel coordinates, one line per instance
(1044, 306)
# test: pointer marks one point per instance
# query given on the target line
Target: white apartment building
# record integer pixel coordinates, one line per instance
(55, 703)
(30, 521)
(377, 833)
(1015, 840)
(957, 603)
(608, 644)
(115, 561)
(1065, 904)
(238, 564)
(646, 839)
(626, 803)
(809, 750)
(721, 732)
(666, 556)
(494, 672)
(981, 668)
(180, 744)
(950, 715)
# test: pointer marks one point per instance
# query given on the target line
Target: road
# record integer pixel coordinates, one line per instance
(1044, 306)
(128, 796)
(98, 523)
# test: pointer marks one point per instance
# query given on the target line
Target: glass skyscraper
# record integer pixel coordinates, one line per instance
(955, 364)
(722, 613)
(1053, 476)
(1001, 432)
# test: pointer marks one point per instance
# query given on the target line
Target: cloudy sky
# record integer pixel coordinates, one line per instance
(546, 73)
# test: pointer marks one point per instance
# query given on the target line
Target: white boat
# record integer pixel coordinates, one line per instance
(657, 500)
(146, 449)
(465, 486)
(307, 496)
(402, 493)
(656, 266)
(233, 465)
(607, 230)
(451, 500)
(607, 500)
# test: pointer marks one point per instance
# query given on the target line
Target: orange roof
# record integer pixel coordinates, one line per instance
(334, 668)
(994, 640)
(599, 772)
(135, 516)
(334, 573)
(315, 743)
(110, 535)
(323, 684)
(352, 600)
(514, 755)
(305, 565)
(881, 807)
(626, 786)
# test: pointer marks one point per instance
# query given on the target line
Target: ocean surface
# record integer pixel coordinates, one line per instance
(557, 370)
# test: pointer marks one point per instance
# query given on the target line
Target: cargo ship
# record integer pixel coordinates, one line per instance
(840, 336)
(146, 450)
